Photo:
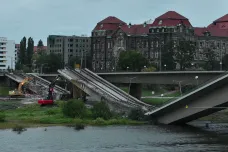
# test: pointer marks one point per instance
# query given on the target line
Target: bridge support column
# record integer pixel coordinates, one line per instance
(78, 93)
(136, 90)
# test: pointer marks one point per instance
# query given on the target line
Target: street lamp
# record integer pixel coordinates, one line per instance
(220, 65)
(179, 83)
(127, 68)
(196, 77)
(165, 67)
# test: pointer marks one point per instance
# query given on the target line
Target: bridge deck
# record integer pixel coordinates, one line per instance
(198, 103)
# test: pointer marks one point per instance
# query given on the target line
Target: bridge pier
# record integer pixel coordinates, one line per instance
(78, 93)
(136, 90)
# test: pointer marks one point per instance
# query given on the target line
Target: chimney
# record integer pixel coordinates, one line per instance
(144, 25)
(129, 25)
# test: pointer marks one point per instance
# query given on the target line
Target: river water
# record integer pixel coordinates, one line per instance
(117, 139)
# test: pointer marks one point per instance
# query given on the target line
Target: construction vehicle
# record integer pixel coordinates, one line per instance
(19, 91)
(50, 99)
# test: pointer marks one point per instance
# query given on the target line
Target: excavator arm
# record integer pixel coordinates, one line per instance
(49, 99)
(19, 91)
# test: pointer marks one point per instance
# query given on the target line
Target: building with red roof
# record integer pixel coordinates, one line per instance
(112, 35)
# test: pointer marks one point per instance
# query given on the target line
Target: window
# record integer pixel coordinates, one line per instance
(160, 22)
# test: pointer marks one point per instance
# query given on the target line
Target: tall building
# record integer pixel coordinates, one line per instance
(8, 54)
(215, 37)
(69, 46)
(111, 36)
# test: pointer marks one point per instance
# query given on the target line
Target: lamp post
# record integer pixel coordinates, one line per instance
(165, 67)
(196, 77)
(127, 69)
(179, 84)
(220, 65)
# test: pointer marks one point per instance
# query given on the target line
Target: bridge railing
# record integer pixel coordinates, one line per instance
(192, 90)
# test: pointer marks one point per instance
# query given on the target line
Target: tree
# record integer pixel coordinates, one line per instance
(22, 53)
(49, 63)
(225, 61)
(133, 60)
(167, 57)
(40, 44)
(29, 51)
(101, 110)
(211, 59)
(74, 109)
(74, 60)
(184, 53)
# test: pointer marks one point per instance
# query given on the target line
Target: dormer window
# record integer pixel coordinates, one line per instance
(160, 22)
(101, 26)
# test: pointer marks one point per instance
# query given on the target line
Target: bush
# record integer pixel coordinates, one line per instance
(74, 108)
(2, 117)
(136, 114)
(101, 110)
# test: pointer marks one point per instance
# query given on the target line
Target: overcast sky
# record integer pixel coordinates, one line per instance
(40, 18)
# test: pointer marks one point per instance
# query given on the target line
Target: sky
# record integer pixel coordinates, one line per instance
(40, 18)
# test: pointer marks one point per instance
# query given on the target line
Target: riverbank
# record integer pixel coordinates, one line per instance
(35, 116)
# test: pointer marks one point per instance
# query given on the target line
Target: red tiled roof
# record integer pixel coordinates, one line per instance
(111, 20)
(219, 27)
(172, 15)
(171, 18)
(36, 48)
(109, 23)
(138, 29)
(106, 27)
(199, 31)
(222, 19)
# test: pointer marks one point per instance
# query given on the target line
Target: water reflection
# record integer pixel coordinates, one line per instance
(115, 139)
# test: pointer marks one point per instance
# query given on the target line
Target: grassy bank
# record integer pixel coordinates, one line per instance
(4, 91)
(155, 101)
(35, 116)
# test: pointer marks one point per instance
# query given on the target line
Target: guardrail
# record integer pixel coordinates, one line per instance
(194, 90)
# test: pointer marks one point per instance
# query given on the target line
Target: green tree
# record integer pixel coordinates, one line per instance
(136, 114)
(101, 110)
(29, 51)
(22, 52)
(184, 53)
(211, 59)
(225, 61)
(167, 56)
(74, 60)
(49, 63)
(74, 109)
(132, 59)
(40, 44)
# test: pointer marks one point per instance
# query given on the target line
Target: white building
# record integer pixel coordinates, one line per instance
(8, 54)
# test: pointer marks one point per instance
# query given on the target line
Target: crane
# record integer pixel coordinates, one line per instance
(49, 100)
(18, 92)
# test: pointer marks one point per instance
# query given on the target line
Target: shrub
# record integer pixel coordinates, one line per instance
(101, 110)
(2, 117)
(74, 108)
(136, 114)
(99, 121)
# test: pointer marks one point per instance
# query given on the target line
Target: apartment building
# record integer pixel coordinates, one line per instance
(8, 54)
(69, 46)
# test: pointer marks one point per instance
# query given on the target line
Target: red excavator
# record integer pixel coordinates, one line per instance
(49, 100)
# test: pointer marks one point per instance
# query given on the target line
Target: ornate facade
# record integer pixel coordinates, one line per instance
(111, 36)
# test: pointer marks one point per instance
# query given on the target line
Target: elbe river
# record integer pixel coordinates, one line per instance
(118, 139)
